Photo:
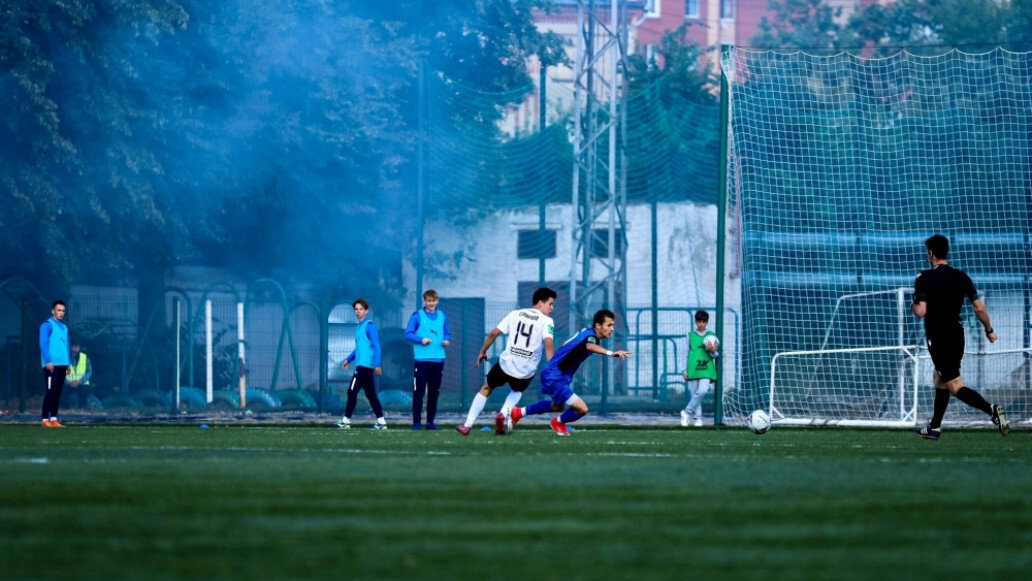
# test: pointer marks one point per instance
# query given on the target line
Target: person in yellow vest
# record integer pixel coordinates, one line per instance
(701, 370)
(80, 369)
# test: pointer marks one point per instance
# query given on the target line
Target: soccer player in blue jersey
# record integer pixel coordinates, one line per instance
(557, 376)
(367, 362)
(429, 334)
(56, 358)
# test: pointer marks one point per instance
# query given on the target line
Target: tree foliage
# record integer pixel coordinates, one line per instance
(273, 138)
(80, 182)
(807, 24)
(680, 65)
(673, 147)
(883, 28)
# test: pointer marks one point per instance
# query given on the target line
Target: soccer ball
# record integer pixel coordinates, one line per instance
(758, 422)
(711, 341)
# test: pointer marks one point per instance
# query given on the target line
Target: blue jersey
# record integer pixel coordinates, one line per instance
(367, 346)
(433, 325)
(568, 358)
(53, 343)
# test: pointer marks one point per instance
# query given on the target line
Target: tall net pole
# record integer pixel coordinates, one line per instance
(597, 278)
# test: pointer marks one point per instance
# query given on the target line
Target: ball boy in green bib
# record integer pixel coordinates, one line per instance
(701, 371)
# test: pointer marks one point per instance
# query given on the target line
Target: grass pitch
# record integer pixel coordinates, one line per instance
(312, 502)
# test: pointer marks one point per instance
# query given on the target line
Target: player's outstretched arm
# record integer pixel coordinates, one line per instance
(487, 345)
(603, 351)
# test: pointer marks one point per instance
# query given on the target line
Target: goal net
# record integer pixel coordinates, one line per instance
(839, 167)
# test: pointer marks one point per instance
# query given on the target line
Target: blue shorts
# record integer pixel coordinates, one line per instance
(557, 387)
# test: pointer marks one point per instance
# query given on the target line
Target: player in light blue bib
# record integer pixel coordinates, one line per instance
(367, 363)
(428, 331)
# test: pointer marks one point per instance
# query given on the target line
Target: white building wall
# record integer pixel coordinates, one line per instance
(478, 258)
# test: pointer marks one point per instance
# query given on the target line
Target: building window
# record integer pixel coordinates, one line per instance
(691, 8)
(600, 243)
(651, 55)
(727, 9)
(536, 244)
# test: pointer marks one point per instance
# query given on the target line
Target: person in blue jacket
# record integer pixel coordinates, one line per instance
(367, 363)
(428, 331)
(53, 347)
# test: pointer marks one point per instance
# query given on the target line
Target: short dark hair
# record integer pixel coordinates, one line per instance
(939, 245)
(601, 315)
(429, 294)
(54, 304)
(701, 315)
(543, 294)
(360, 301)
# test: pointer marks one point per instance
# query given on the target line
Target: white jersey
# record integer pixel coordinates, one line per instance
(527, 330)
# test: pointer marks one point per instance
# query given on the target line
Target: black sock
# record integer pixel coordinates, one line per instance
(942, 400)
(974, 399)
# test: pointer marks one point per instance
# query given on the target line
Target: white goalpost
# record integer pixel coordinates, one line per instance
(855, 387)
(888, 385)
(864, 383)
(902, 310)
(799, 395)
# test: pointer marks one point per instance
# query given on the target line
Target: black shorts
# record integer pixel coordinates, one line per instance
(497, 377)
(947, 349)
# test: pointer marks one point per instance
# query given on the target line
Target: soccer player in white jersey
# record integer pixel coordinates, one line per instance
(528, 330)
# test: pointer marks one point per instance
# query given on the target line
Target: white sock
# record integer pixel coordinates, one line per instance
(511, 400)
(381, 421)
(479, 401)
(345, 419)
(53, 418)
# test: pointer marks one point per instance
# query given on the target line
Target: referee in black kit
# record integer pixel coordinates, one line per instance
(939, 294)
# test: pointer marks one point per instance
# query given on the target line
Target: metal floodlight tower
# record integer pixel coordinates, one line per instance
(597, 276)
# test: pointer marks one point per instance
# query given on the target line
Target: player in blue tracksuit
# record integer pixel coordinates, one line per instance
(557, 376)
(367, 362)
(56, 359)
(429, 333)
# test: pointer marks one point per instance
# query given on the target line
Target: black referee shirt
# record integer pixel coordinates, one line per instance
(943, 289)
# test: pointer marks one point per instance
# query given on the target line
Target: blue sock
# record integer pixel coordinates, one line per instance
(570, 416)
(539, 407)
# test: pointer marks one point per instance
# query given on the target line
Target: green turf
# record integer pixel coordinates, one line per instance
(302, 502)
